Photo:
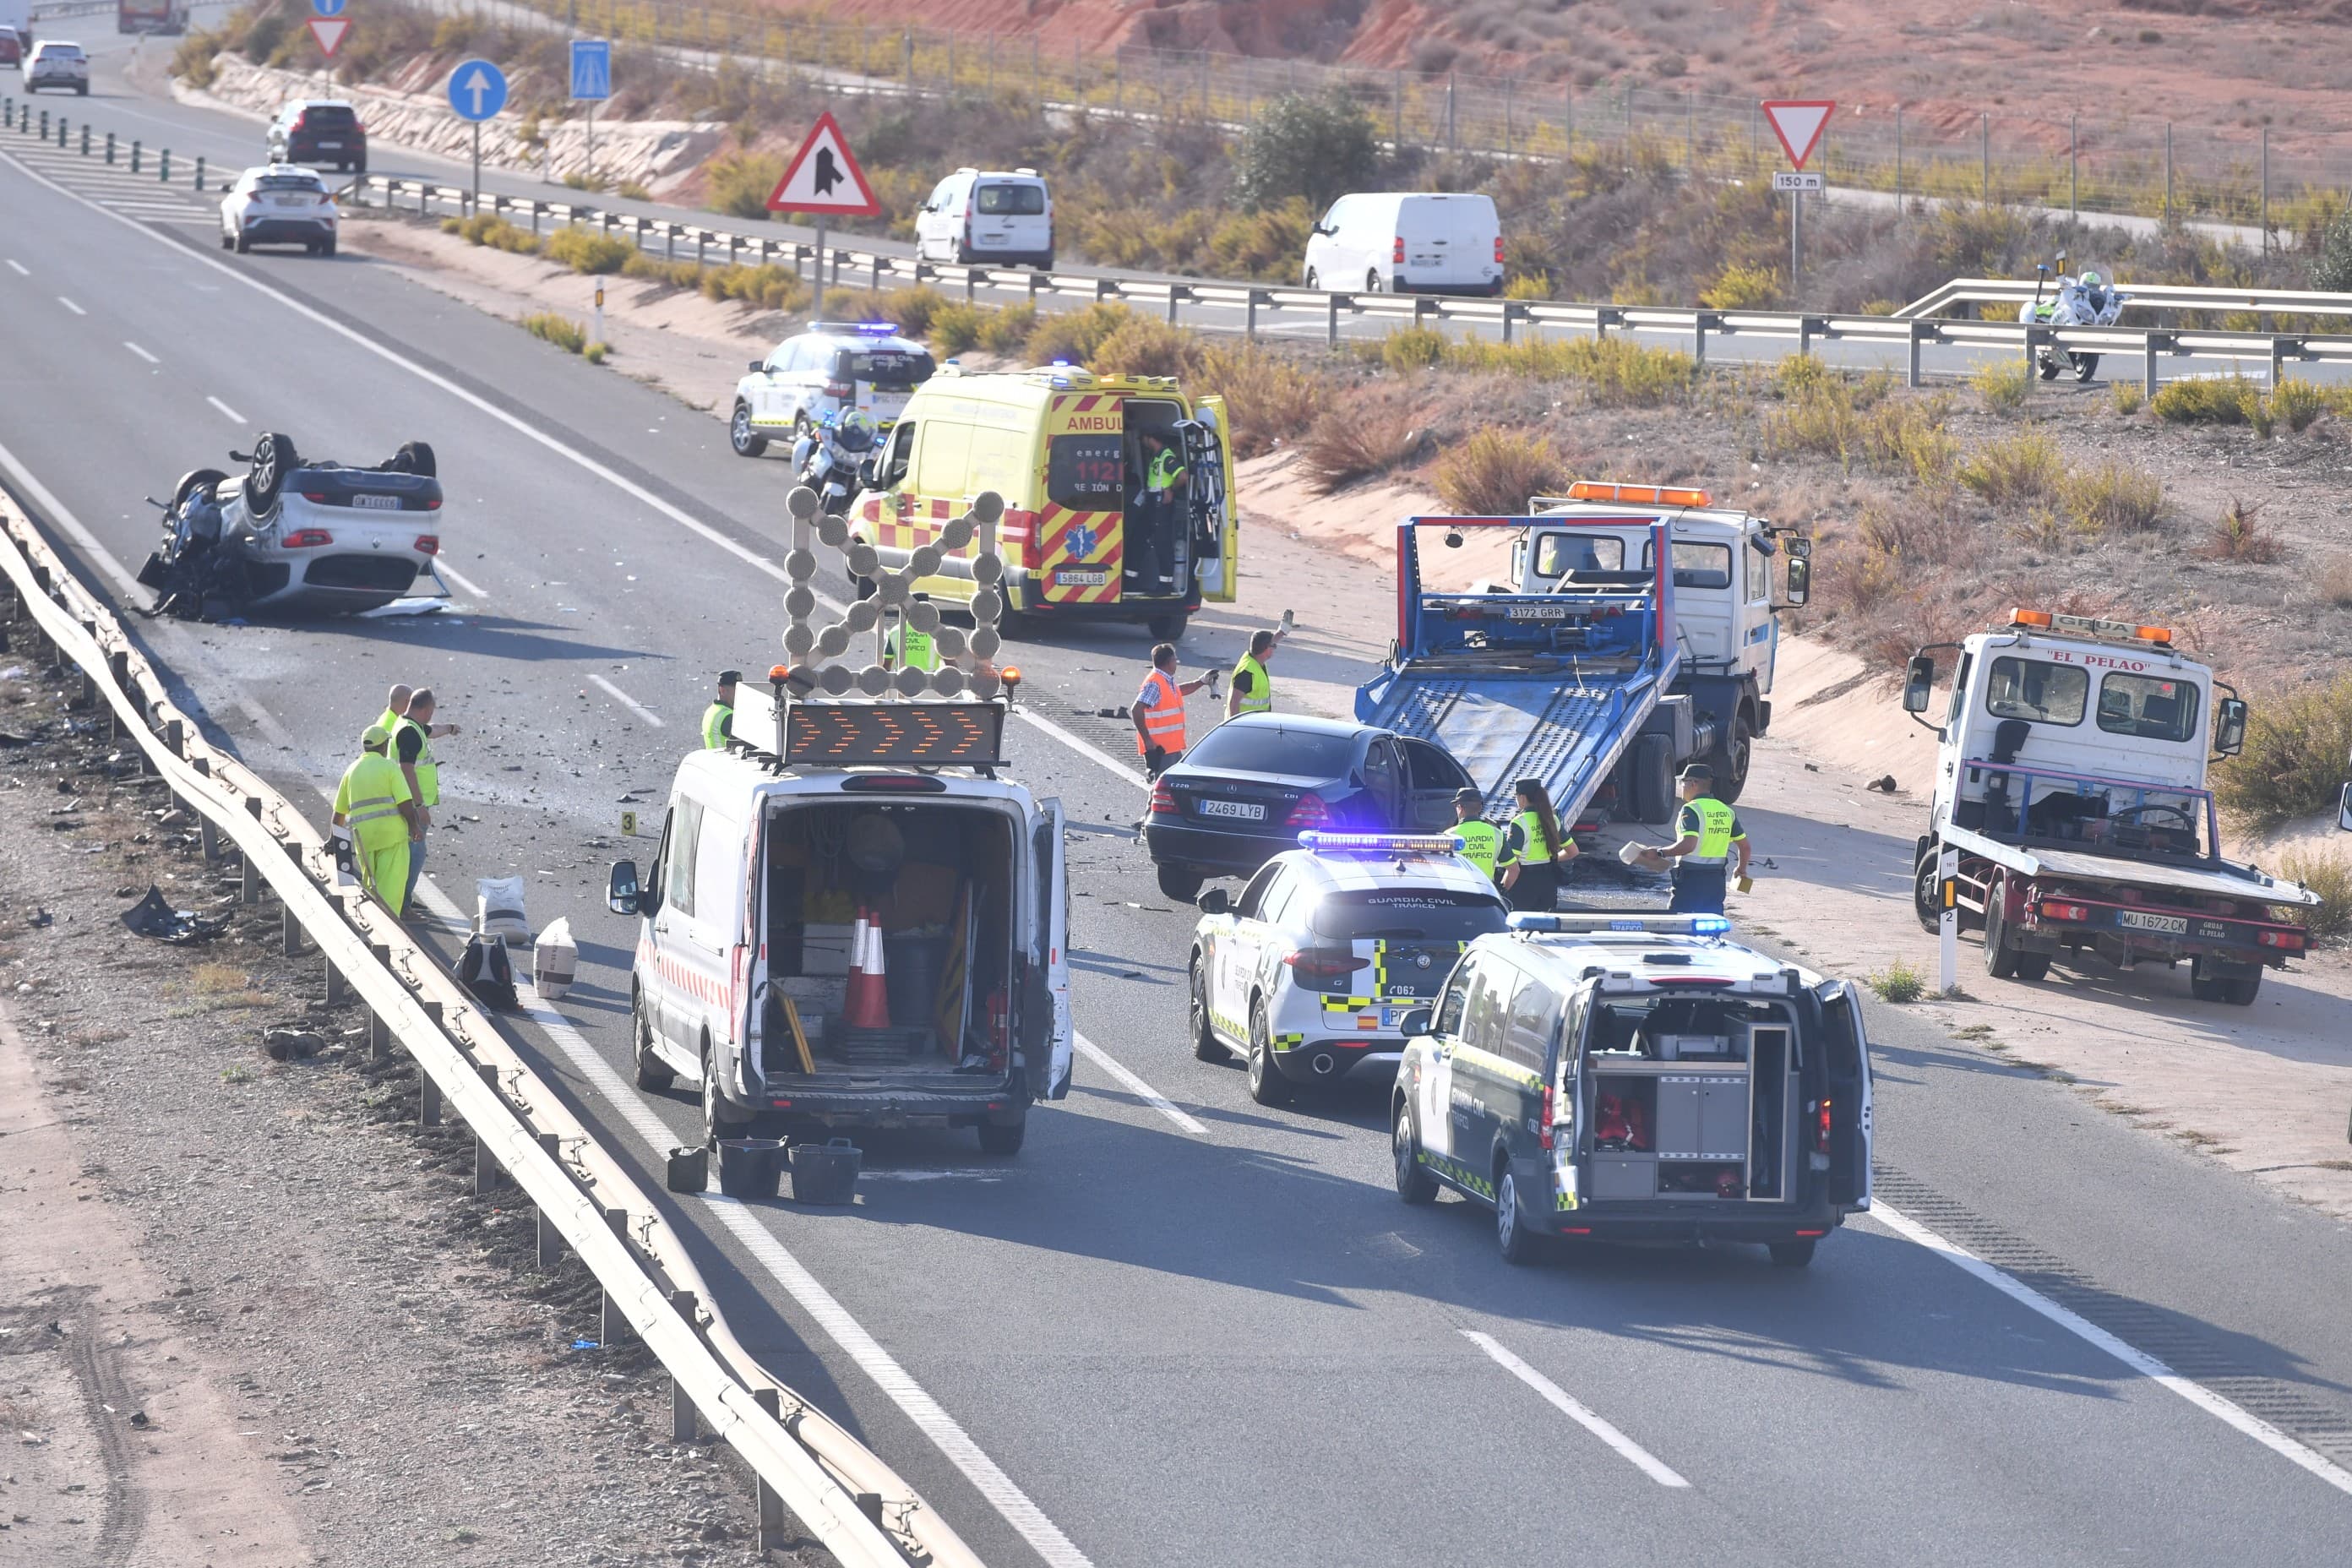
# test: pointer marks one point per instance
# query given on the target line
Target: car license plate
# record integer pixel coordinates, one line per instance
(1394, 1017)
(1537, 613)
(1082, 579)
(381, 503)
(291, 201)
(2174, 925)
(330, 146)
(1246, 810)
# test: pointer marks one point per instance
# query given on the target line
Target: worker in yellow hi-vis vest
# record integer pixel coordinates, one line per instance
(1710, 841)
(412, 749)
(374, 807)
(1250, 691)
(1482, 841)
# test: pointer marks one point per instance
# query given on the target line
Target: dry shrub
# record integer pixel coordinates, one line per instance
(1409, 349)
(2025, 467)
(586, 250)
(1142, 345)
(2237, 536)
(2044, 531)
(2293, 766)
(1270, 398)
(1526, 286)
(2334, 580)
(2113, 498)
(1618, 374)
(768, 287)
(560, 330)
(2127, 397)
(1351, 443)
(2208, 399)
(1076, 335)
(1860, 421)
(2329, 876)
(654, 270)
(1006, 331)
(2004, 384)
(956, 327)
(1739, 287)
(1493, 473)
(737, 184)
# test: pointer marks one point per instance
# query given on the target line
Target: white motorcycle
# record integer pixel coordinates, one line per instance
(829, 457)
(2088, 301)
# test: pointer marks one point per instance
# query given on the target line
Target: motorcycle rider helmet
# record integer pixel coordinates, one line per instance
(2090, 279)
(856, 432)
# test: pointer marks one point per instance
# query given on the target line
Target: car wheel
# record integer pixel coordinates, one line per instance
(229, 240)
(243, 244)
(1003, 1139)
(747, 442)
(1793, 1254)
(1415, 1185)
(273, 458)
(1266, 1084)
(81, 90)
(360, 167)
(1206, 1046)
(1517, 1244)
(327, 249)
(1180, 883)
(1168, 628)
(653, 1073)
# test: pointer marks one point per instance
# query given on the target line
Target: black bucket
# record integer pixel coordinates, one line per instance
(690, 1170)
(748, 1167)
(825, 1173)
(910, 977)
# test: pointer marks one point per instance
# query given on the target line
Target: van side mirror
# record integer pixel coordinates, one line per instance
(1417, 1022)
(2230, 726)
(1214, 902)
(1918, 684)
(759, 364)
(1800, 579)
(622, 891)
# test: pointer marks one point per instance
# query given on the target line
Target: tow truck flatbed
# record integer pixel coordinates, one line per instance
(2225, 878)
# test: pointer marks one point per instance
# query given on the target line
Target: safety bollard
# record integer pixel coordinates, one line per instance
(109, 146)
(45, 125)
(200, 171)
(7, 114)
(85, 140)
(134, 154)
(164, 162)
(62, 131)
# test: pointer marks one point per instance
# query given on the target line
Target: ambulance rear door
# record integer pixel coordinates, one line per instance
(1050, 1067)
(1220, 573)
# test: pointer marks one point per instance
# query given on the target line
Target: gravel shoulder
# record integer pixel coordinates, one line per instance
(250, 1313)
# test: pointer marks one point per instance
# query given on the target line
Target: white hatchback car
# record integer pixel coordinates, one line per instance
(327, 536)
(834, 367)
(979, 217)
(278, 203)
(55, 63)
(1311, 970)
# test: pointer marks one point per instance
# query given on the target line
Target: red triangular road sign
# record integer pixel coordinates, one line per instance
(824, 178)
(1799, 123)
(329, 31)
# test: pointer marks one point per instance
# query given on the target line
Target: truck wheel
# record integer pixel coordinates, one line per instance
(1206, 1046)
(2000, 959)
(2032, 965)
(2237, 991)
(1266, 1084)
(1928, 890)
(653, 1073)
(1003, 1139)
(1654, 780)
(1793, 1254)
(1415, 1185)
(1180, 883)
(1732, 761)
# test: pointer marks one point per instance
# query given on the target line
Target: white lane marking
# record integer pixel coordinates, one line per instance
(2229, 1414)
(460, 578)
(1086, 749)
(69, 305)
(18, 268)
(1150, 1095)
(142, 353)
(234, 416)
(629, 702)
(1576, 1411)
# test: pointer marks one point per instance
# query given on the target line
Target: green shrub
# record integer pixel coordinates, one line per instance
(579, 181)
(586, 250)
(560, 330)
(635, 191)
(1493, 471)
(909, 310)
(2025, 467)
(1617, 374)
(956, 328)
(2207, 400)
(1311, 148)
(2127, 395)
(453, 225)
(1900, 982)
(1526, 286)
(1738, 288)
(1075, 335)
(2113, 498)
(1408, 349)
(2329, 876)
(596, 354)
(1143, 345)
(2003, 383)
(2293, 766)
(739, 183)
(676, 274)
(1269, 396)
(2331, 270)
(1006, 331)
(768, 287)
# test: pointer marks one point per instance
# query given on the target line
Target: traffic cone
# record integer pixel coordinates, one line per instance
(867, 1005)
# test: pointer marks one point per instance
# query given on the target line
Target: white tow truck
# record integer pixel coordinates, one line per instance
(1725, 624)
(2070, 790)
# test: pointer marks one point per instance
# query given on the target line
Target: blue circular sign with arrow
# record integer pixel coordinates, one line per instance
(329, 8)
(477, 89)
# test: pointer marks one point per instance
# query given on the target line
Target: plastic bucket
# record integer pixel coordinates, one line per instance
(825, 1173)
(748, 1167)
(911, 970)
(689, 1171)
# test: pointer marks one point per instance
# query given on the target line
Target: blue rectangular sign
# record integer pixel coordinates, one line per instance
(591, 69)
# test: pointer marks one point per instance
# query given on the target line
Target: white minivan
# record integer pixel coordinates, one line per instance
(980, 217)
(1383, 242)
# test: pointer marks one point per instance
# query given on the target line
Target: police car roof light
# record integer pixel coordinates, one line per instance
(1423, 843)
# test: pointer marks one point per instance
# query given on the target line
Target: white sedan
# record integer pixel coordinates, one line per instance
(278, 203)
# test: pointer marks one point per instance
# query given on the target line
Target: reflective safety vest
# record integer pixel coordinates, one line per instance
(1259, 697)
(369, 799)
(428, 771)
(1537, 849)
(718, 721)
(1718, 824)
(389, 720)
(1163, 473)
(1482, 843)
(911, 649)
(1163, 714)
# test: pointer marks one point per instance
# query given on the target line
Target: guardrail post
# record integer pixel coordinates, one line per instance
(551, 1240)
(208, 840)
(535, 210)
(290, 926)
(2149, 379)
(2034, 337)
(613, 1325)
(1331, 320)
(1805, 334)
(772, 1507)
(1510, 313)
(1035, 280)
(682, 1426)
(336, 990)
(249, 886)
(2278, 362)
(1918, 335)
(1420, 311)
(874, 274)
(669, 240)
(428, 1100)
(1699, 325)
(1249, 313)
(1176, 292)
(701, 246)
(379, 1033)
(486, 1165)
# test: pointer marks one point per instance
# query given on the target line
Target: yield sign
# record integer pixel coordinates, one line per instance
(824, 178)
(329, 31)
(1799, 123)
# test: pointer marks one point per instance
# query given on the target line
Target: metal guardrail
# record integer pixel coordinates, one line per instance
(844, 1494)
(2155, 296)
(843, 267)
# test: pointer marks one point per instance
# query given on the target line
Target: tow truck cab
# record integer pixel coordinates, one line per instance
(1725, 618)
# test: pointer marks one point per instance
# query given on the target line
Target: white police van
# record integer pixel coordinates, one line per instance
(1637, 1079)
(1310, 972)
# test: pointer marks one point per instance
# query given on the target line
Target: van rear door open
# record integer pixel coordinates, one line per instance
(1220, 575)
(1048, 1036)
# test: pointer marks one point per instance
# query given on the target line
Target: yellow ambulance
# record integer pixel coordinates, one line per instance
(1119, 493)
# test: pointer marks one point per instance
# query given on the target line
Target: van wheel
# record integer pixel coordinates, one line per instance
(747, 442)
(1168, 628)
(1928, 890)
(1003, 1139)
(1372, 283)
(1314, 279)
(653, 1073)
(1517, 1244)
(1266, 1084)
(719, 1120)
(1794, 1254)
(1180, 883)
(1415, 1185)
(1206, 1046)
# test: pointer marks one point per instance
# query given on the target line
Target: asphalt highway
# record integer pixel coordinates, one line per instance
(1180, 1328)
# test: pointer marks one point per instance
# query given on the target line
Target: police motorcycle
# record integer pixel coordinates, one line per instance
(2088, 301)
(828, 454)
(190, 571)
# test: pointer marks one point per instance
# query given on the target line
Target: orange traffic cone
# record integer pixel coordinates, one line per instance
(867, 1005)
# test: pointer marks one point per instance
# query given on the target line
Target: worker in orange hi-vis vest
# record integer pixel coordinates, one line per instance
(1158, 711)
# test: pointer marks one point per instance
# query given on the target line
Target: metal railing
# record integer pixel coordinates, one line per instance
(585, 1198)
(2152, 296)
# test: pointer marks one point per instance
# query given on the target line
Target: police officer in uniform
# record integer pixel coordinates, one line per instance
(1158, 711)
(1482, 841)
(412, 749)
(718, 719)
(1710, 838)
(1250, 691)
(374, 804)
(904, 647)
(1533, 848)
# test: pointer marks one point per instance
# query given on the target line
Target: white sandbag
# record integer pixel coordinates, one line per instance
(555, 960)
(498, 908)
(1641, 855)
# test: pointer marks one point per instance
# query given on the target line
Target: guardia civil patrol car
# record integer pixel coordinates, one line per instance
(1310, 972)
(1638, 1078)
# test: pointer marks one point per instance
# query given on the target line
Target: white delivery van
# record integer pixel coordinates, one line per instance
(982, 217)
(1382, 242)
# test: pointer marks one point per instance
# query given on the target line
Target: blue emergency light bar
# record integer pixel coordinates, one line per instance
(871, 328)
(1603, 925)
(1384, 843)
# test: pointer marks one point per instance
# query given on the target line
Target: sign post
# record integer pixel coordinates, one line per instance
(1948, 923)
(477, 89)
(592, 82)
(823, 178)
(1799, 123)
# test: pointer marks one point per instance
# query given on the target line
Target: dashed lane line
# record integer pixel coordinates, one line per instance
(1576, 1410)
(18, 268)
(142, 353)
(627, 701)
(234, 417)
(1142, 1090)
(69, 305)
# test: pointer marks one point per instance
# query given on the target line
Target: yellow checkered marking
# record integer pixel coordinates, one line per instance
(1380, 968)
(1455, 1170)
